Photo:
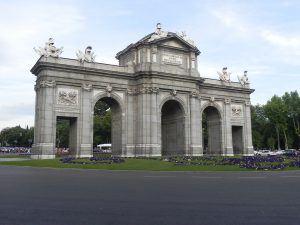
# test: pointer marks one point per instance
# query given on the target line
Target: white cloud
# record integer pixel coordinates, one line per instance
(281, 40)
(25, 25)
(232, 20)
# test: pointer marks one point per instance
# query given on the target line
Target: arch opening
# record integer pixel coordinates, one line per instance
(211, 133)
(107, 127)
(237, 140)
(66, 136)
(173, 128)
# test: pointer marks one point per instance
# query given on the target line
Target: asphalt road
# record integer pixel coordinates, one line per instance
(41, 196)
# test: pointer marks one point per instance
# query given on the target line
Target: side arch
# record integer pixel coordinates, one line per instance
(112, 95)
(117, 119)
(212, 123)
(175, 98)
(217, 106)
(173, 126)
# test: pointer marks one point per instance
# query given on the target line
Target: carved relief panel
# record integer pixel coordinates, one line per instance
(66, 96)
(236, 110)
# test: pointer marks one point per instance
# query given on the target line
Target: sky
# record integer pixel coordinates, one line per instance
(262, 37)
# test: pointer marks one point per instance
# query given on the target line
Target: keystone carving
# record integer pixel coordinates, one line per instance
(173, 92)
(87, 87)
(194, 94)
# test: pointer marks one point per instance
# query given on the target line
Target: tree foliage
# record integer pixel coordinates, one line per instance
(16, 136)
(62, 133)
(102, 123)
(276, 124)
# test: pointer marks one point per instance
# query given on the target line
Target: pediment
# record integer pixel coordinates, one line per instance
(167, 39)
(174, 43)
(173, 40)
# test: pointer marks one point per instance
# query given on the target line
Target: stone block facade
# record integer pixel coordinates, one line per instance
(157, 99)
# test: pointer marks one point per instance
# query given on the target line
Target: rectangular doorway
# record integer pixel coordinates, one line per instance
(237, 140)
(66, 135)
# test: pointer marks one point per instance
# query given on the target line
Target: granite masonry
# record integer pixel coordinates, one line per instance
(157, 99)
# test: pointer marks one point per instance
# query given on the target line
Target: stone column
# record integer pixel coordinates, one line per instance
(196, 147)
(142, 125)
(155, 124)
(147, 123)
(228, 151)
(248, 131)
(86, 123)
(45, 121)
(131, 120)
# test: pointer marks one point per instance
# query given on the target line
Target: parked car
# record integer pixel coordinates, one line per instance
(265, 153)
(105, 148)
(291, 152)
(279, 152)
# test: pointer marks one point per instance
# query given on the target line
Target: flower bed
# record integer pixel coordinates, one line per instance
(249, 162)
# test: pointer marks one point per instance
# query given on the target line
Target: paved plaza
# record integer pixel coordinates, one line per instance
(34, 196)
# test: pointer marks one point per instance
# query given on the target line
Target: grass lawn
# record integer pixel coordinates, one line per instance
(129, 164)
(174, 163)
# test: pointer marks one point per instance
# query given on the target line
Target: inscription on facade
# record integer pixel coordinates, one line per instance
(67, 96)
(172, 59)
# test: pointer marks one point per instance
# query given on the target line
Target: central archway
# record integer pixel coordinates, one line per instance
(212, 131)
(112, 112)
(172, 125)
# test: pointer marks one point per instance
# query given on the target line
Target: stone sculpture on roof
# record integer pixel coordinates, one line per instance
(49, 49)
(243, 79)
(185, 37)
(87, 56)
(224, 75)
(158, 33)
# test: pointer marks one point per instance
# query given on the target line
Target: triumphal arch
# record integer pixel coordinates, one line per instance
(157, 99)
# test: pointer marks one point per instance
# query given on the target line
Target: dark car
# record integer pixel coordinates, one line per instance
(291, 152)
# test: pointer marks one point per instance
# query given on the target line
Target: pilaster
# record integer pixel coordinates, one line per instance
(248, 132)
(196, 146)
(86, 120)
(45, 121)
(228, 151)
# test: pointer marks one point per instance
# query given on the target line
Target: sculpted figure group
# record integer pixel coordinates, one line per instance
(51, 50)
(225, 76)
(89, 56)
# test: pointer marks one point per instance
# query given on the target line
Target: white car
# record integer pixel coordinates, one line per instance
(266, 153)
(279, 152)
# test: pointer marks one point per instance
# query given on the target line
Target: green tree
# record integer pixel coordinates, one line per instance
(102, 123)
(292, 102)
(259, 126)
(277, 113)
(62, 133)
(16, 136)
(271, 143)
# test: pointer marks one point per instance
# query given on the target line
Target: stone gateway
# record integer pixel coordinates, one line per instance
(160, 104)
